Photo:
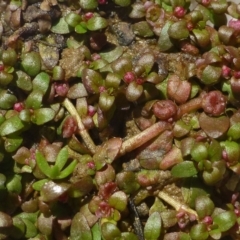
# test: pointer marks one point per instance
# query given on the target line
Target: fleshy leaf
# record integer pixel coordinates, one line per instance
(7, 99)
(152, 229)
(51, 191)
(39, 184)
(118, 200)
(31, 229)
(80, 28)
(41, 82)
(108, 152)
(214, 127)
(96, 23)
(96, 231)
(68, 170)
(34, 99)
(112, 55)
(62, 158)
(110, 231)
(225, 220)
(80, 229)
(61, 27)
(42, 115)
(178, 30)
(211, 75)
(92, 80)
(106, 101)
(184, 169)
(11, 144)
(42, 164)
(11, 125)
(164, 41)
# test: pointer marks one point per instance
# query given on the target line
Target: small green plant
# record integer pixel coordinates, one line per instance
(56, 171)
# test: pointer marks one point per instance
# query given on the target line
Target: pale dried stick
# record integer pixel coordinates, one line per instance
(143, 137)
(177, 205)
(81, 129)
(190, 106)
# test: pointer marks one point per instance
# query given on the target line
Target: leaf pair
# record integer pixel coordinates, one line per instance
(56, 171)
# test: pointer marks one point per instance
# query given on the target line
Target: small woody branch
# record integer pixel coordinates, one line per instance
(177, 205)
(143, 137)
(81, 129)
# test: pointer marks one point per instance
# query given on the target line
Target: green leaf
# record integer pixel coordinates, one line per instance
(199, 231)
(112, 55)
(61, 27)
(92, 80)
(42, 115)
(34, 99)
(72, 19)
(54, 173)
(68, 170)
(31, 63)
(110, 231)
(32, 217)
(80, 28)
(122, 3)
(129, 236)
(96, 231)
(211, 75)
(118, 200)
(31, 230)
(178, 30)
(80, 229)
(133, 91)
(153, 227)
(41, 82)
(96, 23)
(184, 169)
(62, 158)
(14, 184)
(225, 220)
(164, 41)
(7, 99)
(88, 4)
(11, 125)
(42, 164)
(11, 144)
(106, 101)
(18, 229)
(39, 184)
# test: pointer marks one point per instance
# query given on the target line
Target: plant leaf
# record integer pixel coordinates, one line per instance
(68, 170)
(225, 220)
(61, 27)
(184, 169)
(41, 82)
(80, 229)
(152, 229)
(80, 28)
(96, 23)
(96, 231)
(214, 127)
(42, 164)
(42, 115)
(11, 125)
(39, 184)
(34, 99)
(62, 158)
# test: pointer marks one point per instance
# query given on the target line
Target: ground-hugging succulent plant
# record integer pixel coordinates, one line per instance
(119, 119)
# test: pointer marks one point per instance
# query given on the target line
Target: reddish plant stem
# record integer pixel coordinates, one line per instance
(190, 106)
(143, 137)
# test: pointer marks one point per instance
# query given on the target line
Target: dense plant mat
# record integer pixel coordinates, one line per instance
(119, 119)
